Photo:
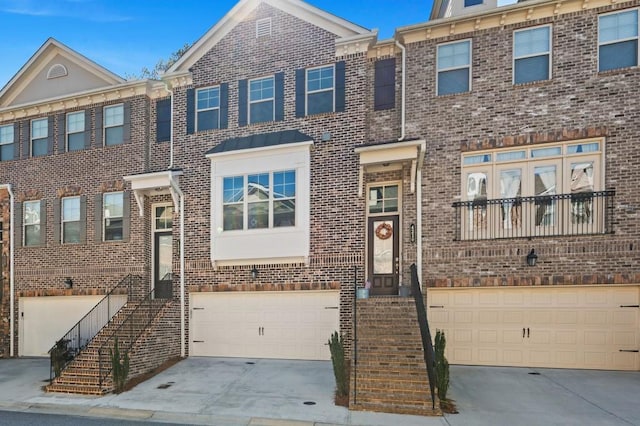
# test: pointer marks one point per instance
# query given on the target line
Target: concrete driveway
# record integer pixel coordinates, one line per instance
(224, 391)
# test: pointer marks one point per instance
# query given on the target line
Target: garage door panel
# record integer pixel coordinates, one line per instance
(291, 325)
(564, 327)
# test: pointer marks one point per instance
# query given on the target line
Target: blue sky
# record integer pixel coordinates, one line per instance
(125, 36)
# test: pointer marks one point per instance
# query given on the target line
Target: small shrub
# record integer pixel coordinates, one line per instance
(60, 356)
(442, 366)
(119, 367)
(336, 345)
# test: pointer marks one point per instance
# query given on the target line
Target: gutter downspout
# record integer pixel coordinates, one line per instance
(11, 269)
(176, 188)
(404, 91)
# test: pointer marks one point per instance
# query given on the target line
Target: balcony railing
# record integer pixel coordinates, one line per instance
(585, 213)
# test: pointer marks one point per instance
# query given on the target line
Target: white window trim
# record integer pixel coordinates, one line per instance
(31, 138)
(68, 133)
(62, 219)
(256, 246)
(310, 92)
(104, 122)
(104, 217)
(12, 133)
(208, 109)
(397, 183)
(25, 224)
(272, 99)
(438, 71)
(548, 53)
(619, 40)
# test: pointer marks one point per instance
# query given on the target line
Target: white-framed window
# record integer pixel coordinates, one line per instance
(532, 54)
(39, 136)
(70, 220)
(75, 131)
(208, 108)
(31, 223)
(383, 198)
(454, 67)
(261, 205)
(469, 3)
(163, 217)
(261, 100)
(7, 141)
(112, 216)
(114, 124)
(536, 190)
(259, 200)
(320, 89)
(618, 40)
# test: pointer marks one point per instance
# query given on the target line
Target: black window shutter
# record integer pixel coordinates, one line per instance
(224, 105)
(191, 106)
(340, 86)
(163, 120)
(279, 96)
(385, 84)
(83, 219)
(50, 134)
(87, 129)
(56, 221)
(126, 128)
(24, 138)
(61, 121)
(17, 214)
(43, 222)
(126, 215)
(243, 103)
(301, 91)
(99, 124)
(16, 141)
(98, 218)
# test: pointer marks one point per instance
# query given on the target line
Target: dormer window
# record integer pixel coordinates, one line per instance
(469, 3)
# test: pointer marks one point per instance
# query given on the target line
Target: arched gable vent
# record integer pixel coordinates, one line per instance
(57, 70)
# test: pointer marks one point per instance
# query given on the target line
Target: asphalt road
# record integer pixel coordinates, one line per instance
(34, 419)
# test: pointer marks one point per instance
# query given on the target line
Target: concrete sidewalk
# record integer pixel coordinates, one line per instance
(219, 391)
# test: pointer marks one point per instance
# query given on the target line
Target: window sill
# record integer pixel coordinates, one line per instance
(532, 83)
(618, 71)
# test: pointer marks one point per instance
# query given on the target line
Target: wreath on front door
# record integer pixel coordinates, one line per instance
(384, 231)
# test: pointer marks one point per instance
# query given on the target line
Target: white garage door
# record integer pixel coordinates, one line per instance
(286, 325)
(43, 320)
(593, 327)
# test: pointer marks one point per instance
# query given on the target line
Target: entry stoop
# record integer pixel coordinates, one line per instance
(388, 372)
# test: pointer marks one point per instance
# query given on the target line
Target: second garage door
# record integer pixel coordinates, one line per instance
(595, 327)
(285, 325)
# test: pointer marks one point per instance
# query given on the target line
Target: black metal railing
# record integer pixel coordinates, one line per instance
(427, 346)
(132, 327)
(584, 213)
(75, 340)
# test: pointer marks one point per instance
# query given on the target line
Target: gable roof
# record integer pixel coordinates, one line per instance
(261, 140)
(336, 25)
(53, 54)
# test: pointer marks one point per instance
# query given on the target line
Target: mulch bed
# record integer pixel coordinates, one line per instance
(146, 376)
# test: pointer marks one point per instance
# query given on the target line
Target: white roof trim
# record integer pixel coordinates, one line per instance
(297, 8)
(216, 155)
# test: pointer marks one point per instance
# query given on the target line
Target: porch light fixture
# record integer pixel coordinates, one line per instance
(532, 258)
(254, 272)
(68, 283)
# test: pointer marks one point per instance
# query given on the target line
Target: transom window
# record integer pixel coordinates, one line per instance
(7, 140)
(454, 68)
(261, 100)
(320, 89)
(39, 135)
(70, 220)
(618, 40)
(163, 218)
(383, 199)
(541, 190)
(75, 131)
(208, 108)
(259, 201)
(31, 222)
(531, 55)
(112, 216)
(114, 124)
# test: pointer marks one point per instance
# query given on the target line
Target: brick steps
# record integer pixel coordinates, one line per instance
(389, 374)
